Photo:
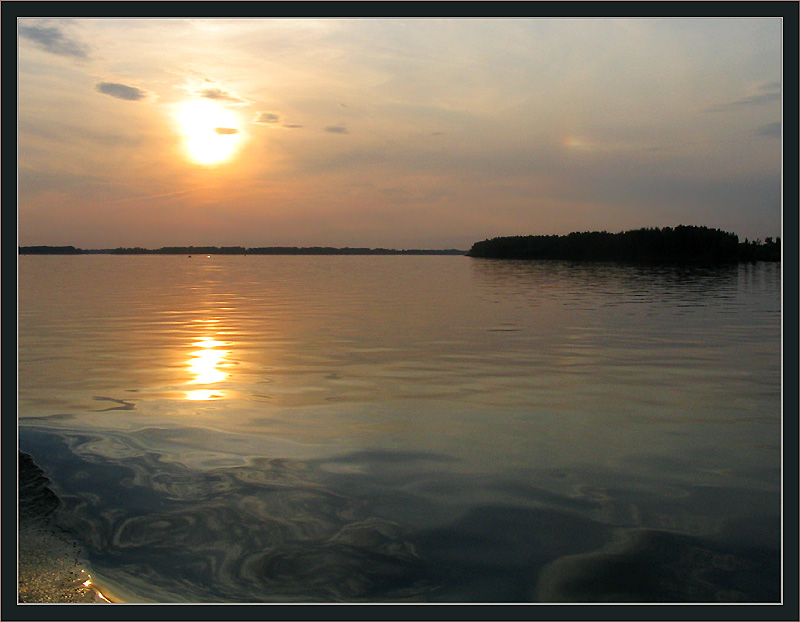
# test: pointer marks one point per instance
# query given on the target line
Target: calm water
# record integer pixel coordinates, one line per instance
(310, 429)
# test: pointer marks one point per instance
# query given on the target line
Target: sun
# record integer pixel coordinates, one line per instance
(210, 131)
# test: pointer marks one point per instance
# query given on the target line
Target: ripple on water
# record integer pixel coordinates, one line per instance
(267, 532)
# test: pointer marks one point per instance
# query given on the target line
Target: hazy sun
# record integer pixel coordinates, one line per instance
(211, 132)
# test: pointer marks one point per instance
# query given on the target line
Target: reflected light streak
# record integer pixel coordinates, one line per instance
(101, 596)
(203, 395)
(90, 584)
(204, 366)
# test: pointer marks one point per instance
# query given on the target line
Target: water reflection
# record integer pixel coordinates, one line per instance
(402, 527)
(436, 429)
(205, 365)
(594, 284)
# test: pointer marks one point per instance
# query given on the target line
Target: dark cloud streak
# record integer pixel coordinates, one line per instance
(121, 91)
(51, 39)
(273, 119)
(266, 118)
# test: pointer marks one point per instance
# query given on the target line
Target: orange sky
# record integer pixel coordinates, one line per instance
(417, 133)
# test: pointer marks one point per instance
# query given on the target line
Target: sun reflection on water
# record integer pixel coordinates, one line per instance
(205, 365)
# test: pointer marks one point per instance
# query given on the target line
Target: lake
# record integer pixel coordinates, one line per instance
(408, 428)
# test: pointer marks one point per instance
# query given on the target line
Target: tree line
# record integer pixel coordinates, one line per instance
(231, 250)
(689, 244)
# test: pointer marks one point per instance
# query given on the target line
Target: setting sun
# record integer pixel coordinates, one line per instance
(210, 131)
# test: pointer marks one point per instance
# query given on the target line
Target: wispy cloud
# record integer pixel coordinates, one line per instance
(273, 119)
(221, 95)
(226, 130)
(336, 129)
(122, 91)
(152, 196)
(768, 93)
(52, 39)
(771, 130)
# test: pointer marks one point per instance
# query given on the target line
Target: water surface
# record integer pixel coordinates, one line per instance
(413, 428)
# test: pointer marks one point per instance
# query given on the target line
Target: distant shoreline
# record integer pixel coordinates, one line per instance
(684, 244)
(231, 250)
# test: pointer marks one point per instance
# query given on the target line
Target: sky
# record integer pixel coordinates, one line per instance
(395, 133)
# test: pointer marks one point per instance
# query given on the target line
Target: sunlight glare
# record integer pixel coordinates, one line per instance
(202, 395)
(211, 131)
(204, 365)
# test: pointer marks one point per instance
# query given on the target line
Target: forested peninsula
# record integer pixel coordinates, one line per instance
(685, 244)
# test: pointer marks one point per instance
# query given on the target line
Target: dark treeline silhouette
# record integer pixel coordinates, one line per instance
(49, 250)
(231, 250)
(688, 244)
(768, 250)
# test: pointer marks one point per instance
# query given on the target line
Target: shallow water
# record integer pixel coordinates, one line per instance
(384, 428)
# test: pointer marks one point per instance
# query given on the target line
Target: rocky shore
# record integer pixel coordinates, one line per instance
(50, 570)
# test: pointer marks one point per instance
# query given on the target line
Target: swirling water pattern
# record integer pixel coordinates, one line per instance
(349, 429)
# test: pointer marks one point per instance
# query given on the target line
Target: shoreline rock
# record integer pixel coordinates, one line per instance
(49, 569)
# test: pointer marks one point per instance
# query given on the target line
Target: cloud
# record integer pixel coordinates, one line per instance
(336, 129)
(51, 39)
(122, 91)
(221, 95)
(772, 130)
(266, 118)
(226, 130)
(768, 93)
(273, 119)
